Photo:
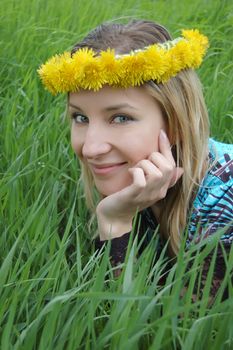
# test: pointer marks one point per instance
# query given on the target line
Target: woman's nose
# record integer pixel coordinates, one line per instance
(96, 143)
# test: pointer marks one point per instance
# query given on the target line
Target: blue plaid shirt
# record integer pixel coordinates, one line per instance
(213, 205)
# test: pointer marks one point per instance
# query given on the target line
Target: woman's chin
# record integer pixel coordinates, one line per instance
(108, 189)
(108, 192)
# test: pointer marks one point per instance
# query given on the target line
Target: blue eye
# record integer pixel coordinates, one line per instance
(79, 118)
(121, 118)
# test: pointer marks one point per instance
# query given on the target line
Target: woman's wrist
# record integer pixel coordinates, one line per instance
(110, 228)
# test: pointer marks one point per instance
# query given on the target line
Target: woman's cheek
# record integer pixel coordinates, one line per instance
(142, 149)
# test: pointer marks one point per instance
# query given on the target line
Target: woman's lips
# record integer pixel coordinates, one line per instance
(105, 169)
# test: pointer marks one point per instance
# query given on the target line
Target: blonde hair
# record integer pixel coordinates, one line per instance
(182, 103)
(183, 106)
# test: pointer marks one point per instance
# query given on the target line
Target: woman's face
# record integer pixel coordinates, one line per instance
(112, 130)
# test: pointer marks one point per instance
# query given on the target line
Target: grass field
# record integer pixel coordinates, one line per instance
(55, 292)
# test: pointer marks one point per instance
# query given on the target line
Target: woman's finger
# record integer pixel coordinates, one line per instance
(165, 147)
(178, 172)
(139, 180)
(150, 169)
(164, 165)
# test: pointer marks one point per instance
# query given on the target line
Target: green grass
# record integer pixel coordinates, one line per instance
(55, 291)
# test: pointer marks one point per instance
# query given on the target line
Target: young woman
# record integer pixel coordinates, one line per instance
(141, 131)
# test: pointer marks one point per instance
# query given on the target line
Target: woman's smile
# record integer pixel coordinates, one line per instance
(105, 169)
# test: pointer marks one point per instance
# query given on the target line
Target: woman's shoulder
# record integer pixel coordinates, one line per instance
(220, 169)
(219, 176)
(217, 147)
(221, 161)
(213, 205)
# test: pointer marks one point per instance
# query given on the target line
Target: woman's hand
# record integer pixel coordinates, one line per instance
(152, 178)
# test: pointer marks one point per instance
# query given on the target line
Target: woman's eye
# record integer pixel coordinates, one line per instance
(79, 118)
(121, 118)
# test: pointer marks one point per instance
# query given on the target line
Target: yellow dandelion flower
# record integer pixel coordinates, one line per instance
(83, 55)
(110, 67)
(156, 64)
(50, 75)
(182, 55)
(195, 35)
(198, 44)
(93, 77)
(79, 61)
(171, 67)
(46, 78)
(132, 67)
(66, 73)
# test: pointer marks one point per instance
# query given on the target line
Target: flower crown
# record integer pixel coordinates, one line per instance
(85, 70)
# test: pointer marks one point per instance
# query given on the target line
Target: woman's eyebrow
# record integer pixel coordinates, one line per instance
(110, 108)
(77, 107)
(119, 106)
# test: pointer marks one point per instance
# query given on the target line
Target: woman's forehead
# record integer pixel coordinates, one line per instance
(108, 97)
